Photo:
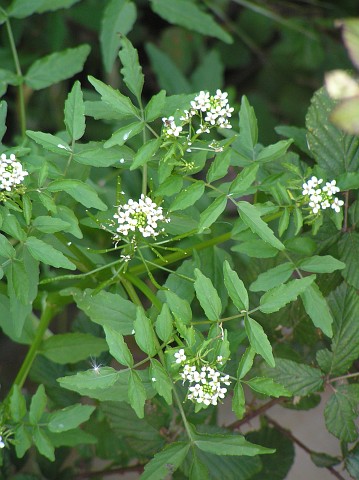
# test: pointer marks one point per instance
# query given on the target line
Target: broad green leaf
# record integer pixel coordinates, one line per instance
(145, 153)
(17, 404)
(69, 417)
(251, 217)
(6, 249)
(166, 461)
(50, 224)
(107, 309)
(256, 248)
(190, 16)
(317, 308)
(23, 440)
(239, 401)
(136, 394)
(341, 411)
(160, 380)
(230, 467)
(246, 362)
(267, 386)
(273, 152)
(198, 469)
(100, 378)
(277, 297)
(334, 151)
(273, 277)
(244, 180)
(66, 348)
(71, 438)
(259, 340)
(235, 287)
(118, 19)
(23, 8)
(219, 167)
(164, 324)
(118, 347)
(56, 67)
(75, 112)
(95, 154)
(48, 254)
(296, 377)
(188, 196)
(349, 254)
(321, 264)
(11, 225)
(179, 307)
(68, 216)
(144, 333)
(169, 76)
(131, 70)
(227, 445)
(80, 191)
(37, 405)
(248, 128)
(207, 296)
(348, 181)
(352, 462)
(155, 106)
(50, 142)
(210, 215)
(120, 136)
(120, 103)
(43, 444)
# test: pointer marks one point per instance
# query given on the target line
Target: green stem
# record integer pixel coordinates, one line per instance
(45, 319)
(21, 97)
(140, 284)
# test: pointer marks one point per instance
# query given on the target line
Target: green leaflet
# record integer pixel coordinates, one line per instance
(66, 348)
(81, 192)
(341, 412)
(69, 417)
(235, 287)
(131, 70)
(47, 254)
(259, 340)
(207, 296)
(75, 112)
(166, 461)
(317, 308)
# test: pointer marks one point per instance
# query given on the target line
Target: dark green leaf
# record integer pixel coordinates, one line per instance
(50, 224)
(118, 347)
(144, 333)
(3, 112)
(349, 254)
(210, 215)
(136, 394)
(131, 71)
(48, 254)
(120, 136)
(235, 287)
(352, 462)
(248, 128)
(69, 417)
(100, 378)
(321, 264)
(323, 460)
(188, 196)
(37, 405)
(56, 67)
(23, 8)
(75, 112)
(50, 142)
(17, 404)
(145, 153)
(256, 249)
(166, 461)
(273, 152)
(246, 362)
(267, 386)
(95, 154)
(155, 106)
(219, 167)
(43, 444)
(207, 296)
(341, 412)
(238, 401)
(259, 340)
(6, 249)
(273, 277)
(317, 308)
(161, 381)
(244, 180)
(81, 192)
(164, 324)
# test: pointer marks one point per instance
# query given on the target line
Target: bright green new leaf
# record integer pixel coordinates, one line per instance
(273, 277)
(118, 347)
(120, 103)
(164, 324)
(75, 112)
(120, 136)
(188, 196)
(296, 377)
(48, 254)
(43, 444)
(80, 191)
(235, 287)
(56, 67)
(107, 309)
(228, 445)
(66, 348)
(210, 215)
(239, 401)
(166, 461)
(50, 142)
(277, 297)
(118, 19)
(259, 340)
(37, 405)
(160, 380)
(267, 386)
(145, 153)
(251, 217)
(136, 394)
(207, 296)
(341, 412)
(131, 70)
(69, 417)
(321, 264)
(100, 378)
(144, 333)
(317, 308)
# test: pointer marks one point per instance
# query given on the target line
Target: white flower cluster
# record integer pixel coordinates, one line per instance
(11, 172)
(142, 216)
(322, 198)
(2, 443)
(213, 110)
(205, 384)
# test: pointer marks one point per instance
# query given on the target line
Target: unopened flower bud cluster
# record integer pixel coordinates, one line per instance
(204, 382)
(212, 110)
(141, 216)
(11, 173)
(321, 198)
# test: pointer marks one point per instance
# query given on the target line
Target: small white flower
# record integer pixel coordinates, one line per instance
(337, 204)
(2, 444)
(153, 379)
(11, 172)
(180, 356)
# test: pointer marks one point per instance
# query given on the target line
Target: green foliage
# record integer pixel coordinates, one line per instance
(194, 267)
